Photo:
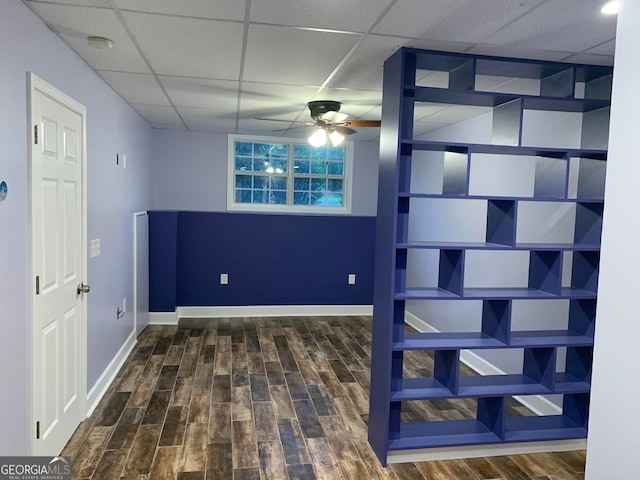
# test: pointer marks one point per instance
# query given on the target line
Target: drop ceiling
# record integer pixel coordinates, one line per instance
(219, 65)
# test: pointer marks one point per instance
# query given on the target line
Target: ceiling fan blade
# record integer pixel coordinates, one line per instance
(344, 130)
(363, 123)
(334, 117)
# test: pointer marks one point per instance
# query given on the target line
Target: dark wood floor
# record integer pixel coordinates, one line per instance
(266, 398)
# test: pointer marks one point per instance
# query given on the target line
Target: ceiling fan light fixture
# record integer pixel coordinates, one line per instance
(319, 138)
(336, 138)
(334, 117)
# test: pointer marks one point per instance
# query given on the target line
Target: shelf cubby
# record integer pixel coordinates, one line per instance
(502, 210)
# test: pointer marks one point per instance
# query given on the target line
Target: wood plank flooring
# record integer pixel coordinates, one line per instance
(267, 398)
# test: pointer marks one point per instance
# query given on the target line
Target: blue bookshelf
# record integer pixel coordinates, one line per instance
(554, 361)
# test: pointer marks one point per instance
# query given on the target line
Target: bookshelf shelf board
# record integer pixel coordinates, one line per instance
(442, 434)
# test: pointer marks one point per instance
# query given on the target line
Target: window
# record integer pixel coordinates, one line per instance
(269, 174)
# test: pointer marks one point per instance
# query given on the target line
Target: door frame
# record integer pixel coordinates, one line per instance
(136, 274)
(36, 84)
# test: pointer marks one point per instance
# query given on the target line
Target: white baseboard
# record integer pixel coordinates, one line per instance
(473, 451)
(163, 318)
(100, 387)
(275, 311)
(536, 403)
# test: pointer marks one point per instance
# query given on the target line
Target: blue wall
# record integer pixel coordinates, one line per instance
(270, 259)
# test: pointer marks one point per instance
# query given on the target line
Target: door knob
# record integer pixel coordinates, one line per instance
(82, 288)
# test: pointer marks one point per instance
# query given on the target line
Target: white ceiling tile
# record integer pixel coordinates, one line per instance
(420, 128)
(589, 59)
(351, 97)
(519, 52)
(208, 119)
(607, 48)
(275, 100)
(364, 68)
(217, 9)
(87, 3)
(136, 87)
(423, 110)
(188, 47)
(202, 93)
(567, 25)
(157, 113)
(168, 126)
(75, 24)
(352, 16)
(253, 126)
(288, 55)
(456, 113)
(451, 20)
(517, 86)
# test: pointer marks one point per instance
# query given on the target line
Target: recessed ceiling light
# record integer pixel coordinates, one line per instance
(100, 42)
(610, 8)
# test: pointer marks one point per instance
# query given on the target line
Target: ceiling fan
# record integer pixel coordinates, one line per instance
(328, 123)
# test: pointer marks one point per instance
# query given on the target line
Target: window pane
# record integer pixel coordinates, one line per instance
(334, 200)
(261, 182)
(244, 148)
(243, 164)
(243, 181)
(261, 149)
(301, 184)
(243, 196)
(301, 151)
(318, 199)
(260, 165)
(336, 168)
(336, 153)
(260, 196)
(279, 183)
(300, 166)
(319, 153)
(279, 166)
(318, 184)
(334, 185)
(279, 151)
(319, 168)
(279, 198)
(301, 198)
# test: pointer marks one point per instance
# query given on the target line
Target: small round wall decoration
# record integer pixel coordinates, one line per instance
(3, 190)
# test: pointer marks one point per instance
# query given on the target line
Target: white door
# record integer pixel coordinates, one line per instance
(57, 216)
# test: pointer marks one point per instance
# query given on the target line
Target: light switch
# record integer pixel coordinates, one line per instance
(352, 279)
(224, 278)
(95, 247)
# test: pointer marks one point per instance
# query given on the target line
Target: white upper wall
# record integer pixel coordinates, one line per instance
(113, 195)
(190, 172)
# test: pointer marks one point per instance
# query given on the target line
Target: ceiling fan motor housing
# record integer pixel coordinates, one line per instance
(320, 107)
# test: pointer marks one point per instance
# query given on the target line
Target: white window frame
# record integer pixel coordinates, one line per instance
(232, 205)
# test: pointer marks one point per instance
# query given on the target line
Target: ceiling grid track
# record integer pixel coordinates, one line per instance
(243, 56)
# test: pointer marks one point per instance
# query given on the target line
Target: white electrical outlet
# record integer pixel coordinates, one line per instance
(224, 278)
(95, 247)
(352, 279)
(124, 160)
(124, 305)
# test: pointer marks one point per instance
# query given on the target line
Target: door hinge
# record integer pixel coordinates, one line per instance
(37, 284)
(35, 134)
(37, 430)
